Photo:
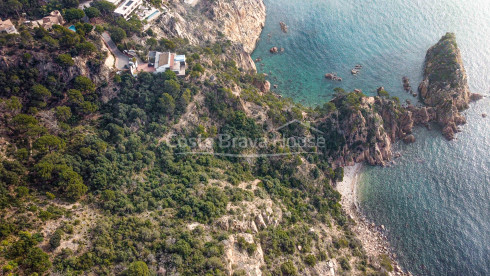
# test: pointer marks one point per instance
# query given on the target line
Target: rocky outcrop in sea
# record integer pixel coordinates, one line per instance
(445, 85)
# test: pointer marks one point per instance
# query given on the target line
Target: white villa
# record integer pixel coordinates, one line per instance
(167, 61)
(115, 2)
(127, 7)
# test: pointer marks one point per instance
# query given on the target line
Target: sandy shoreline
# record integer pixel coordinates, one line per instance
(372, 236)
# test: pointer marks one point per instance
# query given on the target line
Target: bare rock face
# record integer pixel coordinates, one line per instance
(445, 84)
(240, 260)
(240, 21)
(366, 134)
(243, 20)
(243, 59)
(265, 87)
(409, 139)
(209, 21)
(284, 27)
(476, 97)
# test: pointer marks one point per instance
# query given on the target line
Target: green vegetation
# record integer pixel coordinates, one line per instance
(137, 268)
(386, 262)
(244, 245)
(92, 12)
(117, 34)
(103, 168)
(288, 269)
(443, 61)
(73, 14)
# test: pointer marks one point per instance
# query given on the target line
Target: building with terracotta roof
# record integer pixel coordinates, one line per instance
(8, 27)
(54, 18)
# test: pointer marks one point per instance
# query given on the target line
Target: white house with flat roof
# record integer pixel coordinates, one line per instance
(168, 61)
(115, 2)
(127, 7)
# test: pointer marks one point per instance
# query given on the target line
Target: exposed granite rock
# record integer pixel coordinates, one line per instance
(263, 85)
(363, 129)
(332, 76)
(422, 115)
(284, 27)
(266, 87)
(364, 132)
(239, 260)
(476, 97)
(409, 139)
(445, 84)
(240, 21)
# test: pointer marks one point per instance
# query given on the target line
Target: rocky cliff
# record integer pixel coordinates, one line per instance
(240, 21)
(363, 129)
(445, 85)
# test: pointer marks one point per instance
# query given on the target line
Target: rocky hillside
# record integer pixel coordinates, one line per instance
(445, 84)
(88, 186)
(91, 184)
(240, 21)
(360, 129)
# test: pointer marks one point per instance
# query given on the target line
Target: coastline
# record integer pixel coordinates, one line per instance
(372, 237)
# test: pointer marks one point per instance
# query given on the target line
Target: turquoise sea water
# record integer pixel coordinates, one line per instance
(435, 202)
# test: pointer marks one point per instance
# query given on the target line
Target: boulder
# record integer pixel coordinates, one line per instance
(284, 27)
(409, 139)
(329, 76)
(267, 86)
(253, 227)
(259, 221)
(274, 50)
(475, 97)
(449, 131)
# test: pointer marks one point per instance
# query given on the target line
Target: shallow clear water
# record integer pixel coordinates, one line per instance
(435, 200)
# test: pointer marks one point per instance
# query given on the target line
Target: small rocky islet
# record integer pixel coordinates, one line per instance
(444, 91)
